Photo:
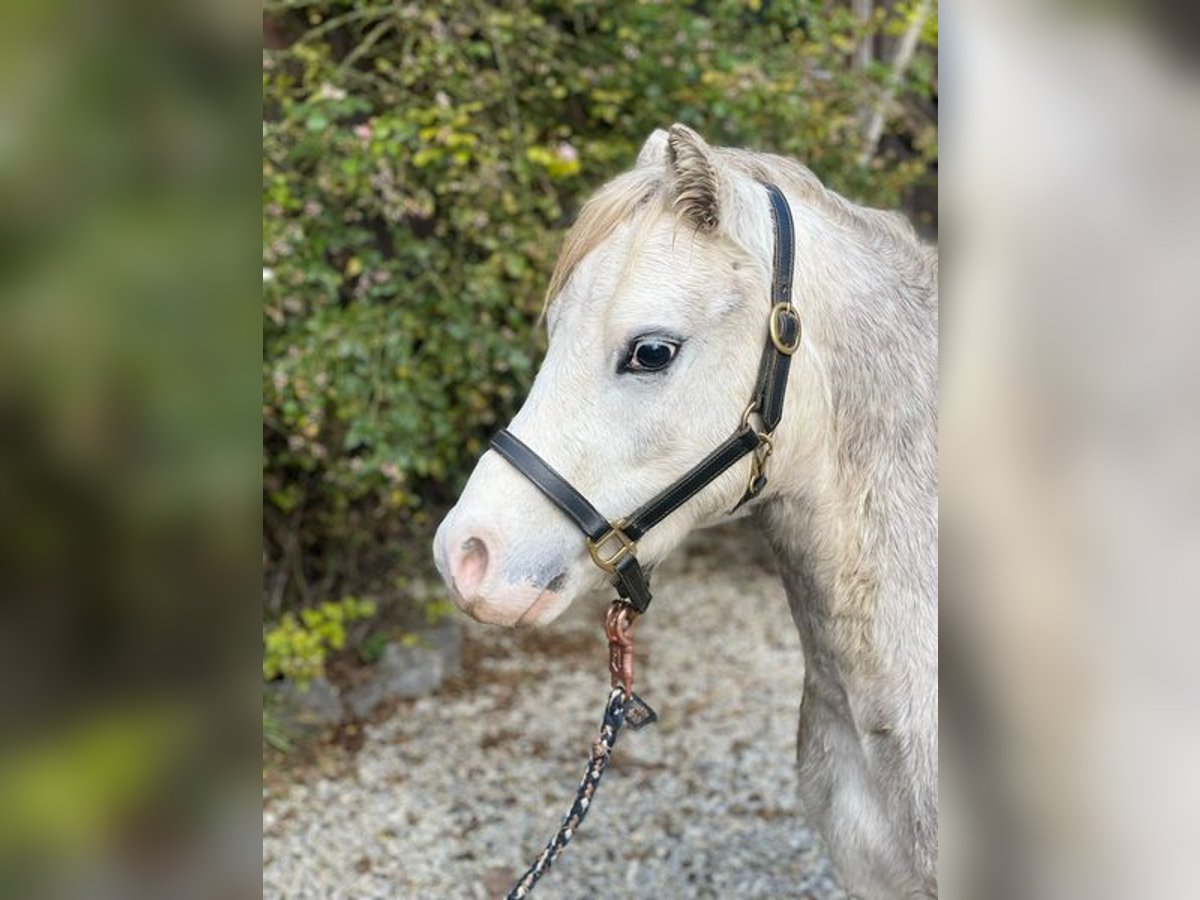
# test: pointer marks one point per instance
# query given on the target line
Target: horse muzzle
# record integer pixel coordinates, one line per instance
(492, 583)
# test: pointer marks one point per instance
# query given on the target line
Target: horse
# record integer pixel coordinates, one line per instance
(655, 315)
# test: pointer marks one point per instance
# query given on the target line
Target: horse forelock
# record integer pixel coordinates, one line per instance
(618, 202)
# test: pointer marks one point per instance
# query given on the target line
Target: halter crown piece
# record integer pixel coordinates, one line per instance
(613, 545)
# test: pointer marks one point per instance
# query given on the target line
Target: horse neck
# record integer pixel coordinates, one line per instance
(854, 514)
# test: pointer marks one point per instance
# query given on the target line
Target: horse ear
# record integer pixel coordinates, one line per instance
(695, 177)
(654, 150)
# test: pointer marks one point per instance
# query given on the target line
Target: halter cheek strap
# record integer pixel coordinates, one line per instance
(613, 545)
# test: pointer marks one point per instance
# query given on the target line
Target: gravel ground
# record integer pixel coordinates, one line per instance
(452, 795)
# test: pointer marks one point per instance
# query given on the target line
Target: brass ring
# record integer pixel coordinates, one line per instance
(749, 411)
(776, 328)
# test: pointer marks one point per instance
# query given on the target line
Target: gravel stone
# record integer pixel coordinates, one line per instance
(454, 795)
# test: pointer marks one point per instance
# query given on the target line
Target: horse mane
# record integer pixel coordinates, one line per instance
(622, 198)
(791, 176)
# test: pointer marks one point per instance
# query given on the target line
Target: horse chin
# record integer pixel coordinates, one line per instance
(548, 606)
(545, 607)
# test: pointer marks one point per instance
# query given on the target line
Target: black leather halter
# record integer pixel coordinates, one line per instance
(613, 545)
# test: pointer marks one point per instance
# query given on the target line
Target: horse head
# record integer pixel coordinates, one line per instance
(656, 319)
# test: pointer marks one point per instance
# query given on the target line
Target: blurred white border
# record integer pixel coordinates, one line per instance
(1070, 155)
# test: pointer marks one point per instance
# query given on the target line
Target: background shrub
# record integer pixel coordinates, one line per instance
(298, 646)
(420, 162)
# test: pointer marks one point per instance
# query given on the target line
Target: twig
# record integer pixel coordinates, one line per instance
(900, 63)
(275, 599)
(510, 95)
(367, 43)
(337, 21)
(862, 52)
(292, 551)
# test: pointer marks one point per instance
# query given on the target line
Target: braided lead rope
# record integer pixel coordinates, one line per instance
(614, 718)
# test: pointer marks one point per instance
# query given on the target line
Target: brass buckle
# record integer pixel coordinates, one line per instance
(625, 547)
(776, 328)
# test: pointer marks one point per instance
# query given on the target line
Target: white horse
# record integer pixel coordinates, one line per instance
(656, 315)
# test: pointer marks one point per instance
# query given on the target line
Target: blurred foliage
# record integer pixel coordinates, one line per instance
(420, 162)
(129, 371)
(297, 646)
(60, 792)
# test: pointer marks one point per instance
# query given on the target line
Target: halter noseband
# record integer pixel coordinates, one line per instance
(613, 545)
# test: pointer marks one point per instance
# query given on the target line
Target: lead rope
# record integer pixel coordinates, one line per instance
(614, 718)
(624, 706)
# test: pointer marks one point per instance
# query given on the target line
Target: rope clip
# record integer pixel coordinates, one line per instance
(618, 628)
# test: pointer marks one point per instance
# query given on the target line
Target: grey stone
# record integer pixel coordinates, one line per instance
(304, 708)
(404, 671)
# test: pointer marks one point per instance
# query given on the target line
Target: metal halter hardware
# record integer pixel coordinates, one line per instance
(625, 547)
(613, 546)
(758, 458)
(776, 325)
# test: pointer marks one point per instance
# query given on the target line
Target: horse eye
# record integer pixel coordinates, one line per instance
(649, 355)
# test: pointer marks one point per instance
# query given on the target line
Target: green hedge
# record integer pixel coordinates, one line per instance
(420, 162)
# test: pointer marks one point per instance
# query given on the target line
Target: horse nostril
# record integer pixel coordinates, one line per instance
(555, 584)
(469, 570)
